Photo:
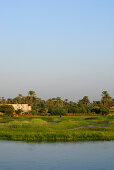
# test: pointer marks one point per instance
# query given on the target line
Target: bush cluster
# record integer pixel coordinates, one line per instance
(7, 109)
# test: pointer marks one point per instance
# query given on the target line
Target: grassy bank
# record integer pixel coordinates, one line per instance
(53, 128)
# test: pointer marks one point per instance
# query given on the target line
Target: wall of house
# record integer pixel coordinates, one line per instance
(23, 107)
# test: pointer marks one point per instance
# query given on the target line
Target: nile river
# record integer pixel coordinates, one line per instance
(57, 156)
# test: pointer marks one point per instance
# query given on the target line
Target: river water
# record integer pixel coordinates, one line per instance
(57, 156)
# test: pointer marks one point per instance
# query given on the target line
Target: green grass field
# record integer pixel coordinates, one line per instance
(54, 128)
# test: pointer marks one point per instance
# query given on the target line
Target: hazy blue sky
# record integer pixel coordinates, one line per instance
(57, 48)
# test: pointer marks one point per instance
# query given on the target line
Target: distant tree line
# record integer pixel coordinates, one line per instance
(57, 106)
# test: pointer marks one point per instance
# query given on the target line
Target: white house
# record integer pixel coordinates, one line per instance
(23, 107)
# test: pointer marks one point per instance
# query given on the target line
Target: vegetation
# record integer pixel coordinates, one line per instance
(56, 119)
(57, 106)
(32, 94)
(7, 109)
(54, 128)
(106, 99)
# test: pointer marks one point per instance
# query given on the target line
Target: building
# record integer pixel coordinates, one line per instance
(23, 107)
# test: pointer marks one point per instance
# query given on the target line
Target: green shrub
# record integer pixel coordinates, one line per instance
(19, 111)
(33, 112)
(104, 110)
(7, 109)
(96, 110)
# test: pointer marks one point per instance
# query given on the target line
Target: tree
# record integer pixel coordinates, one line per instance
(9, 100)
(106, 98)
(65, 102)
(20, 98)
(50, 104)
(59, 102)
(85, 101)
(96, 104)
(7, 109)
(32, 93)
(59, 111)
(3, 101)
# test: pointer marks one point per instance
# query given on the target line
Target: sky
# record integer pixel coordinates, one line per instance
(57, 48)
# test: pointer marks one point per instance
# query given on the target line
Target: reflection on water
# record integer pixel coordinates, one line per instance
(57, 156)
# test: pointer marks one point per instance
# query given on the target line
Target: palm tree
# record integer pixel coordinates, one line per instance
(50, 103)
(20, 97)
(9, 101)
(59, 102)
(3, 100)
(32, 93)
(65, 102)
(85, 101)
(106, 98)
(0, 100)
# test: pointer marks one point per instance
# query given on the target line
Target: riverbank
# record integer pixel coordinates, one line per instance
(54, 128)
